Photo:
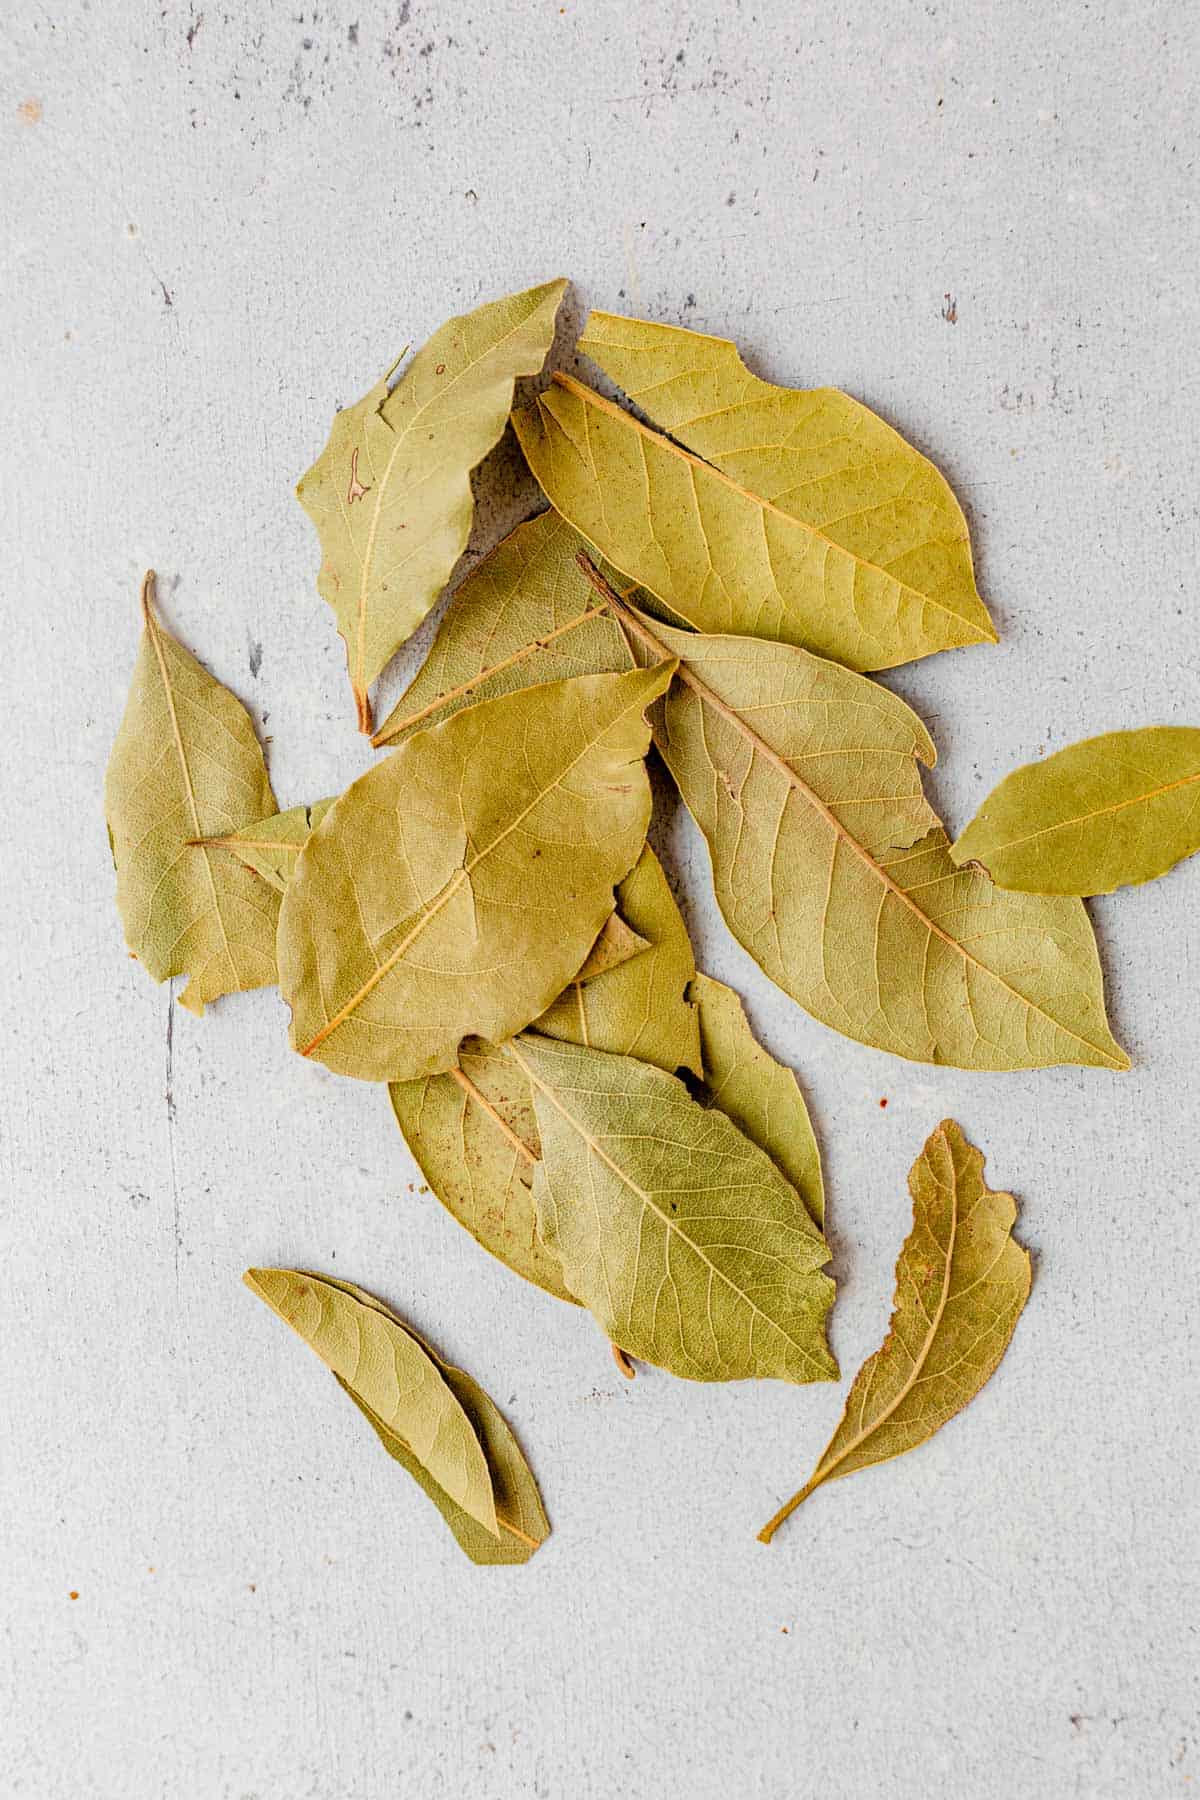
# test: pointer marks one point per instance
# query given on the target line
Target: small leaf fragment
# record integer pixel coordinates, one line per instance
(186, 764)
(961, 1282)
(525, 615)
(760, 1095)
(455, 888)
(269, 847)
(716, 556)
(1107, 812)
(389, 1371)
(816, 454)
(682, 1237)
(390, 495)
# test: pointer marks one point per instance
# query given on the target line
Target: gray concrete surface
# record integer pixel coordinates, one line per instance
(218, 223)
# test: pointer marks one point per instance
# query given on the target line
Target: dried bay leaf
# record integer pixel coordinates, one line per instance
(186, 764)
(760, 1095)
(831, 869)
(386, 1367)
(642, 1008)
(817, 455)
(1104, 813)
(269, 847)
(455, 888)
(390, 494)
(718, 557)
(520, 1514)
(525, 615)
(961, 1282)
(681, 1236)
(474, 1135)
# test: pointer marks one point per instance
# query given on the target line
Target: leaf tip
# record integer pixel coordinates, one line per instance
(148, 598)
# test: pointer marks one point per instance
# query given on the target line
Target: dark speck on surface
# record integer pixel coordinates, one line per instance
(256, 656)
(352, 34)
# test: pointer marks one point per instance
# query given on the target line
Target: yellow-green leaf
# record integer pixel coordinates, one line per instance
(390, 494)
(475, 1139)
(270, 846)
(454, 889)
(385, 1367)
(816, 454)
(680, 1235)
(717, 556)
(520, 1515)
(831, 869)
(760, 1095)
(1107, 812)
(643, 1007)
(961, 1282)
(186, 764)
(525, 615)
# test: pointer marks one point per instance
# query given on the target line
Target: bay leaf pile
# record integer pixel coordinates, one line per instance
(480, 924)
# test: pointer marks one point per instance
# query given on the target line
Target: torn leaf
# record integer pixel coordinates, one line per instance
(269, 847)
(390, 495)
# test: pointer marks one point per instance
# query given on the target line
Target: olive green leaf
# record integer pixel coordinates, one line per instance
(642, 1008)
(761, 1096)
(270, 846)
(386, 1367)
(961, 1282)
(618, 941)
(186, 764)
(519, 1511)
(1109, 811)
(390, 494)
(832, 871)
(816, 455)
(525, 615)
(475, 1138)
(679, 1234)
(718, 557)
(454, 889)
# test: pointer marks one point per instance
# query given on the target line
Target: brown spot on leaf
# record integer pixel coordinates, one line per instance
(356, 490)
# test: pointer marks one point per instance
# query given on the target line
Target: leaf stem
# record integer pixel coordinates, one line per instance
(786, 1510)
(472, 1092)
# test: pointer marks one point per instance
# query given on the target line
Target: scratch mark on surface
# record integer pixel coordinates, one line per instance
(170, 1098)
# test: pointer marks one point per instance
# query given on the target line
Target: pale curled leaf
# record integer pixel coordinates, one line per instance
(617, 944)
(644, 1007)
(1104, 813)
(760, 1095)
(473, 1131)
(718, 557)
(519, 1511)
(386, 1367)
(816, 454)
(961, 1282)
(525, 615)
(679, 1234)
(390, 495)
(269, 847)
(831, 869)
(455, 888)
(186, 764)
